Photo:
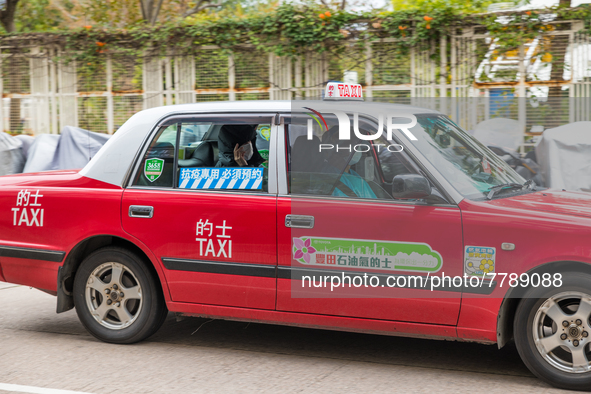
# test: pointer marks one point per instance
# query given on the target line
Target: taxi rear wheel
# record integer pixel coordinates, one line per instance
(552, 330)
(117, 298)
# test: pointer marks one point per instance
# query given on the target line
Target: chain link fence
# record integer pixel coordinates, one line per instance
(465, 76)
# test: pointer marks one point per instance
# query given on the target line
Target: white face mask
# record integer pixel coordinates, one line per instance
(355, 159)
(248, 151)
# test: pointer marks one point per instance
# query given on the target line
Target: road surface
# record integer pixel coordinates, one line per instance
(42, 352)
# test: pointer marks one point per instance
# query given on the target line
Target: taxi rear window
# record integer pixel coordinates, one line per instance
(212, 155)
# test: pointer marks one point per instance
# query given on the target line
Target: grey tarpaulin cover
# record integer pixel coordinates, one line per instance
(76, 147)
(41, 153)
(564, 153)
(72, 149)
(501, 132)
(26, 141)
(12, 159)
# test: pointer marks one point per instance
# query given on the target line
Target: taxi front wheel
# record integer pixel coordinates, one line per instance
(117, 298)
(552, 331)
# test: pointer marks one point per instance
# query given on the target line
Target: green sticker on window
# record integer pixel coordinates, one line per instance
(153, 169)
(265, 155)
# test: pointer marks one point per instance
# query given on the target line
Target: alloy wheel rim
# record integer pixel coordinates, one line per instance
(562, 331)
(113, 296)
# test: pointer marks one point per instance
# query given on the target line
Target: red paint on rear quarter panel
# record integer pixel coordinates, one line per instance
(35, 273)
(75, 209)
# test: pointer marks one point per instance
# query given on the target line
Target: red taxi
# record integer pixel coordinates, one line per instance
(343, 215)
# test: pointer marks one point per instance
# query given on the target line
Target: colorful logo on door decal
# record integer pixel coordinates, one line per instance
(265, 132)
(153, 169)
(354, 253)
(479, 260)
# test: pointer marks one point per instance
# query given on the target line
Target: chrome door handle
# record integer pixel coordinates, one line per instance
(299, 221)
(141, 211)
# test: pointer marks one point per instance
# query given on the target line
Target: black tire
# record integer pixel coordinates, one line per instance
(126, 318)
(549, 360)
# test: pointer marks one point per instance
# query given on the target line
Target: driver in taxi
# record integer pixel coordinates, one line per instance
(349, 179)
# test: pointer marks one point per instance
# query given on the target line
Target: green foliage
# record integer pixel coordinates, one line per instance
(289, 30)
(413, 27)
(38, 15)
(114, 13)
(519, 27)
(462, 6)
(293, 29)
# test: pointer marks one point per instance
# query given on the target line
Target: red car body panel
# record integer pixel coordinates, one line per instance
(553, 201)
(546, 227)
(439, 227)
(172, 233)
(478, 318)
(68, 199)
(539, 236)
(35, 273)
(319, 321)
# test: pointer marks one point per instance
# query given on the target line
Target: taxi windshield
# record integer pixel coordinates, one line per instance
(467, 164)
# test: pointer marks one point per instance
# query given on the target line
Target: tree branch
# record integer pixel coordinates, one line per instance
(146, 7)
(7, 16)
(56, 4)
(199, 7)
(156, 12)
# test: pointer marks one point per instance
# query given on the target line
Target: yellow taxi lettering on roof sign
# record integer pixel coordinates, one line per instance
(343, 91)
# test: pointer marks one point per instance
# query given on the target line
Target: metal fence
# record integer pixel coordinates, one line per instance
(462, 75)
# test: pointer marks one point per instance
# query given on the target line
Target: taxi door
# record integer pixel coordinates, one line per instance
(214, 236)
(322, 236)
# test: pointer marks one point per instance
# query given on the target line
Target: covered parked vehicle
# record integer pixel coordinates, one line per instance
(565, 156)
(377, 218)
(73, 148)
(12, 159)
(504, 137)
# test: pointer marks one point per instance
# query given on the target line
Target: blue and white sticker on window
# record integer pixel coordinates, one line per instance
(221, 178)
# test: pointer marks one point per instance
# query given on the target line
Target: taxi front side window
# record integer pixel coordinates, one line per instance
(218, 155)
(325, 166)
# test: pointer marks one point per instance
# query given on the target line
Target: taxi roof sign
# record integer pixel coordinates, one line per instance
(343, 91)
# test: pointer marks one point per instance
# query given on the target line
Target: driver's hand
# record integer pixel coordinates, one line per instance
(239, 156)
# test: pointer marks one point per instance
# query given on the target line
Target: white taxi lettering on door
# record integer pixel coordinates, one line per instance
(26, 214)
(223, 248)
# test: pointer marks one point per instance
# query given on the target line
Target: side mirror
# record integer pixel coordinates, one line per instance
(410, 186)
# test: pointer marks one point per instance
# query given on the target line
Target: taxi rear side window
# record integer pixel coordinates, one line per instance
(157, 167)
(223, 154)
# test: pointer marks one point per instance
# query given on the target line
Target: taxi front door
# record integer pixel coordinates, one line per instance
(323, 236)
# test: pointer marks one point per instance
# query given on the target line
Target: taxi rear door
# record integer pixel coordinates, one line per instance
(214, 236)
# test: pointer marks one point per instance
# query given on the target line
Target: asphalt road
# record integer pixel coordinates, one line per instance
(42, 350)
